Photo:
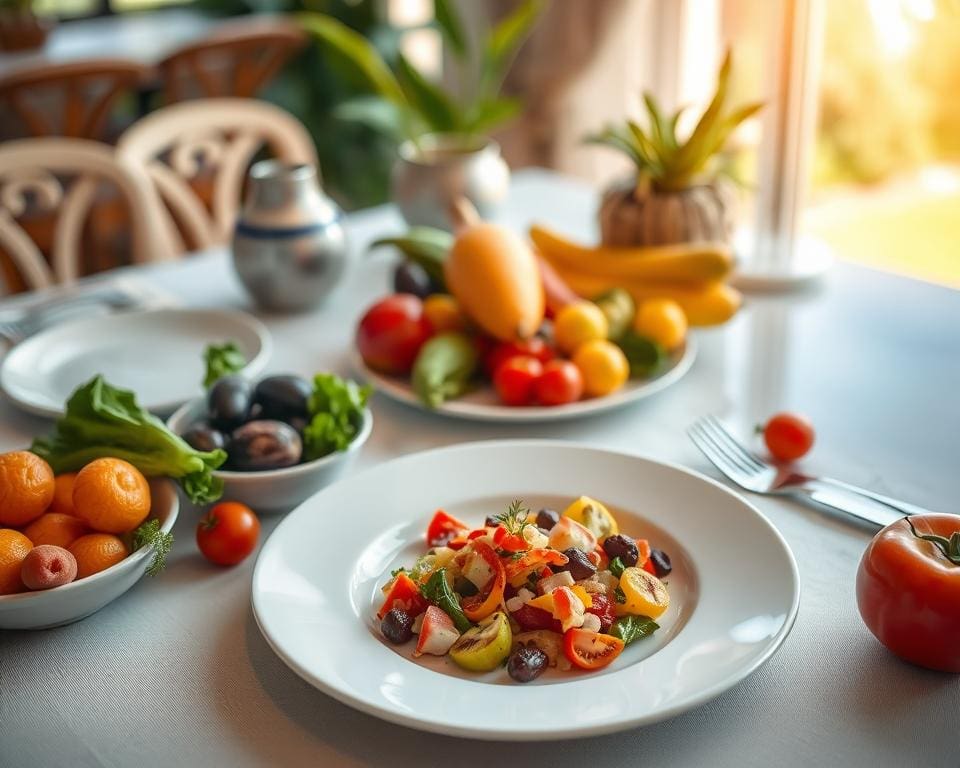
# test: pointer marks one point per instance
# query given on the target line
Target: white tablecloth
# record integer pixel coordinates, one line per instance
(176, 672)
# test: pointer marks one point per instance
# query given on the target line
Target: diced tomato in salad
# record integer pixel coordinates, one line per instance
(503, 593)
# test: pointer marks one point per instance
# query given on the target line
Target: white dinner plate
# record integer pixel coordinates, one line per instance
(316, 588)
(157, 354)
(482, 404)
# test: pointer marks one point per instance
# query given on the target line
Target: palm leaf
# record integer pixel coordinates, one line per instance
(374, 111)
(709, 117)
(610, 138)
(355, 48)
(662, 134)
(502, 44)
(484, 115)
(648, 150)
(433, 105)
(451, 26)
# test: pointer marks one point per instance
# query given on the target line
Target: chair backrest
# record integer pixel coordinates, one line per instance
(236, 60)
(72, 99)
(176, 145)
(62, 177)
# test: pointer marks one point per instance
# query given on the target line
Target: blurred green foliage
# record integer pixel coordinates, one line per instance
(355, 160)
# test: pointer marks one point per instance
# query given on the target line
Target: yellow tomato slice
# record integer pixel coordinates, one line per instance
(645, 594)
(593, 516)
(545, 602)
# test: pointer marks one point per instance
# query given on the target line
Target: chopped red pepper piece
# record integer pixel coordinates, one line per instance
(443, 528)
(404, 594)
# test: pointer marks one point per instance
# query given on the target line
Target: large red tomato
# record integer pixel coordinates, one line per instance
(391, 333)
(908, 590)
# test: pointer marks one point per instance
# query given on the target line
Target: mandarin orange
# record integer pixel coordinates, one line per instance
(63, 493)
(14, 547)
(96, 552)
(26, 487)
(57, 529)
(111, 495)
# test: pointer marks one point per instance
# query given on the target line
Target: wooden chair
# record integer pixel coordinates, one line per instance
(61, 177)
(72, 99)
(212, 140)
(236, 60)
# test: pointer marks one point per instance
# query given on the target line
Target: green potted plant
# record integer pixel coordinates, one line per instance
(443, 143)
(679, 193)
(20, 28)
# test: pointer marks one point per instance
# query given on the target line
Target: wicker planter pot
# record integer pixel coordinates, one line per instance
(20, 30)
(629, 216)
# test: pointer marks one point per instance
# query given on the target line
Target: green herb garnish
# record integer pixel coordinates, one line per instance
(222, 360)
(149, 533)
(630, 628)
(619, 596)
(616, 567)
(102, 420)
(515, 518)
(336, 409)
(438, 592)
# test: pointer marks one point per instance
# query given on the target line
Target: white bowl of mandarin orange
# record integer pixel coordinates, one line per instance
(88, 510)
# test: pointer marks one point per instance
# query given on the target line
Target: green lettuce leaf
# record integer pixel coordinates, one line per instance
(336, 415)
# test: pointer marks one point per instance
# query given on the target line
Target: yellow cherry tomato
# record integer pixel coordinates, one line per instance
(604, 367)
(593, 516)
(644, 594)
(662, 321)
(443, 313)
(578, 323)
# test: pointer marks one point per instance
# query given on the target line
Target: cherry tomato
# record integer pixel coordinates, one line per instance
(788, 436)
(908, 590)
(604, 367)
(590, 650)
(561, 382)
(391, 333)
(515, 377)
(503, 351)
(228, 533)
(443, 528)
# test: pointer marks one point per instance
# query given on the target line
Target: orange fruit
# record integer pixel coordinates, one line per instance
(26, 487)
(56, 528)
(14, 547)
(63, 493)
(96, 552)
(111, 495)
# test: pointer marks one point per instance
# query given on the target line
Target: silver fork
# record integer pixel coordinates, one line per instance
(749, 471)
(38, 318)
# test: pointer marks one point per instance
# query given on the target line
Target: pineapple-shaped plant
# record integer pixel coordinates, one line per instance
(678, 194)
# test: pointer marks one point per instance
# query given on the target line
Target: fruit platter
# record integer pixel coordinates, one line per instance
(486, 324)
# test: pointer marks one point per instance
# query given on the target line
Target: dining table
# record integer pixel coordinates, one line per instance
(176, 672)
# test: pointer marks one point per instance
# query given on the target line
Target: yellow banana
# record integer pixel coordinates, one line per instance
(686, 262)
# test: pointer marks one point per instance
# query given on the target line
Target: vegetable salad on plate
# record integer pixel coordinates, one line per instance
(529, 590)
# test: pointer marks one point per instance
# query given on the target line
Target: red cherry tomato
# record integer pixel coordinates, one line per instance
(514, 379)
(532, 347)
(228, 533)
(560, 383)
(908, 590)
(391, 333)
(590, 650)
(788, 436)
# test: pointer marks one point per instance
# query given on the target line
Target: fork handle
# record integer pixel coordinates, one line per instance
(859, 502)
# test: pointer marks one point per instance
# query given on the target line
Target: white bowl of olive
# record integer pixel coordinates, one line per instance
(285, 437)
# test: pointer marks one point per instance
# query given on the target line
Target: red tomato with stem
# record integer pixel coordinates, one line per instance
(532, 347)
(908, 590)
(514, 379)
(228, 533)
(788, 436)
(560, 383)
(391, 333)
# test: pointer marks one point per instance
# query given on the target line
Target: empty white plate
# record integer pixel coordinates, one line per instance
(157, 354)
(316, 588)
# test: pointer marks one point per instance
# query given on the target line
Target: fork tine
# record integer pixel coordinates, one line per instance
(722, 433)
(714, 453)
(732, 458)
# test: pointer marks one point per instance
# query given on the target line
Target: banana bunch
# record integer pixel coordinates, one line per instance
(692, 274)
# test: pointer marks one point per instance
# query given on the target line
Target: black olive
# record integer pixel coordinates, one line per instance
(661, 563)
(260, 445)
(203, 437)
(228, 402)
(283, 398)
(491, 522)
(410, 277)
(547, 518)
(397, 626)
(578, 564)
(623, 547)
(526, 663)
